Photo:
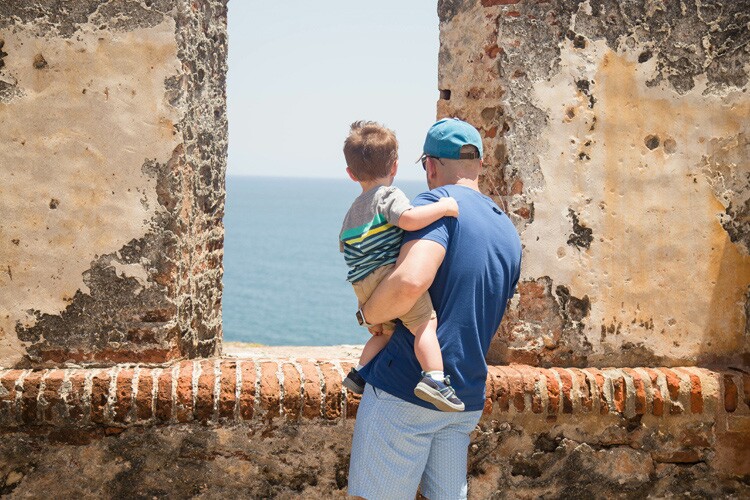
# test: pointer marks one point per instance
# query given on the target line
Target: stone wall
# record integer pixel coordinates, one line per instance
(261, 428)
(616, 134)
(113, 150)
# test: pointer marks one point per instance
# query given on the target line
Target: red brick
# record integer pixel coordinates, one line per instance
(54, 406)
(746, 388)
(124, 395)
(247, 391)
(730, 393)
(313, 394)
(502, 388)
(640, 391)
(599, 378)
(292, 391)
(696, 391)
(619, 393)
(76, 404)
(332, 381)
(553, 392)
(164, 395)
(144, 397)
(204, 404)
(657, 402)
(183, 406)
(530, 378)
(228, 389)
(352, 399)
(584, 389)
(515, 378)
(567, 387)
(673, 385)
(8, 402)
(99, 395)
(269, 389)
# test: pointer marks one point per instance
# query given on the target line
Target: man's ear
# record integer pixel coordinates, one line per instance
(351, 174)
(431, 167)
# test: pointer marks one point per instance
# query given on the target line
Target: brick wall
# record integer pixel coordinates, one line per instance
(252, 424)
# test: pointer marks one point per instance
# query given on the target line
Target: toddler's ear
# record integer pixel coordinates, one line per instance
(351, 174)
(394, 168)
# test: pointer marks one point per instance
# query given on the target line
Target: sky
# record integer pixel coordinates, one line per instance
(301, 72)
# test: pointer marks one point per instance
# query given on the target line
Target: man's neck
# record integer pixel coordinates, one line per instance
(470, 183)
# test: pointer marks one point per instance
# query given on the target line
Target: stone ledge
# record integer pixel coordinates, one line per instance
(217, 391)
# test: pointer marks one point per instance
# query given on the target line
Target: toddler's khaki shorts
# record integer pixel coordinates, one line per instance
(418, 315)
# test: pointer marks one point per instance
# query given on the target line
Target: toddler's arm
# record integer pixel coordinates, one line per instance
(419, 217)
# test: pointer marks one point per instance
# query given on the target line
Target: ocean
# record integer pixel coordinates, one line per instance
(284, 278)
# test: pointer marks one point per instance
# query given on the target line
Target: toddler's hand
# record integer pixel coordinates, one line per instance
(451, 206)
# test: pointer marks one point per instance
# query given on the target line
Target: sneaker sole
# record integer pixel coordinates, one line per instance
(349, 384)
(427, 393)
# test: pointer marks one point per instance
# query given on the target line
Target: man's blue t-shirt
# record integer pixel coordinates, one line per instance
(470, 291)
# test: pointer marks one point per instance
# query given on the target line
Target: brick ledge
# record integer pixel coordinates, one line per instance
(216, 391)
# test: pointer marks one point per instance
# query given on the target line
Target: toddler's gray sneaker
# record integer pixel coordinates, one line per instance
(440, 394)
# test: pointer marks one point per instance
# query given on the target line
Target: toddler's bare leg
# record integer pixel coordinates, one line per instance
(374, 346)
(427, 347)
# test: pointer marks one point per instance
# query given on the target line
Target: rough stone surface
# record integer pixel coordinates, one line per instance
(248, 427)
(616, 138)
(113, 142)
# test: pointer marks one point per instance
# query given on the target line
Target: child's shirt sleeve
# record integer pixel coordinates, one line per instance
(439, 231)
(393, 203)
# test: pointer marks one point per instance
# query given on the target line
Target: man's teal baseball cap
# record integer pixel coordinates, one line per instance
(446, 137)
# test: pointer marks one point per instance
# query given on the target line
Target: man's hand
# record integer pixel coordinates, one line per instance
(450, 205)
(415, 269)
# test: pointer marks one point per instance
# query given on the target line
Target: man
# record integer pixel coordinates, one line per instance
(471, 265)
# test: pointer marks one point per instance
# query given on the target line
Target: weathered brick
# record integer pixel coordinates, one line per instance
(313, 393)
(696, 391)
(567, 387)
(144, 398)
(584, 388)
(530, 380)
(553, 393)
(204, 404)
(123, 401)
(619, 393)
(501, 387)
(99, 395)
(269, 390)
(292, 391)
(77, 408)
(228, 389)
(673, 387)
(515, 379)
(332, 381)
(183, 406)
(8, 410)
(247, 389)
(657, 401)
(54, 406)
(640, 391)
(164, 395)
(352, 399)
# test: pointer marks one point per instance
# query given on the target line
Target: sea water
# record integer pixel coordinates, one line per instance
(284, 277)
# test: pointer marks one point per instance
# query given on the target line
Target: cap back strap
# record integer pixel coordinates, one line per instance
(468, 155)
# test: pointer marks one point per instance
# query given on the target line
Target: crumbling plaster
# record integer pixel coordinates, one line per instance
(113, 186)
(616, 138)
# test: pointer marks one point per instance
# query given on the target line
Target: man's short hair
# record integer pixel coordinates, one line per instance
(370, 150)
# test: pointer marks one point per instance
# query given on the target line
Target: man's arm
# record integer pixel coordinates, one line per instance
(413, 274)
